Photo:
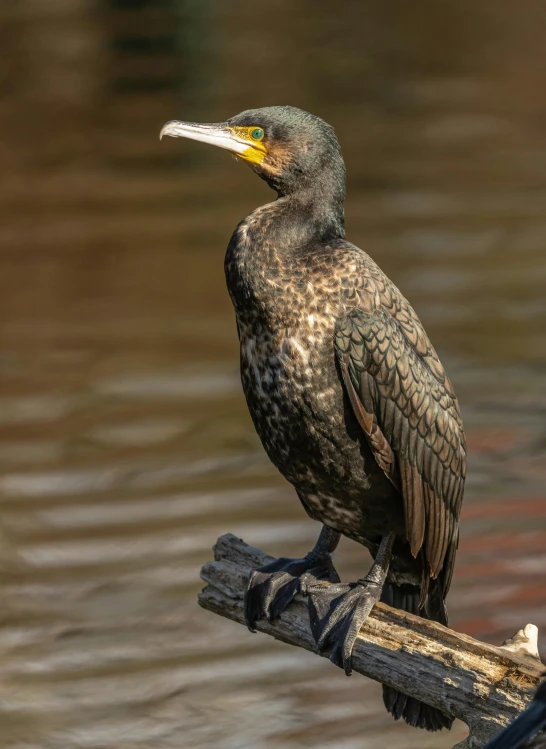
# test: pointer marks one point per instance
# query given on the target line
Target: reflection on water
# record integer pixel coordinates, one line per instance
(125, 444)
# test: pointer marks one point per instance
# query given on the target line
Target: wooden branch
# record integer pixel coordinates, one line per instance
(483, 685)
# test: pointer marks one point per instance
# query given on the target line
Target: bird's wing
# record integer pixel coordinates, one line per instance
(390, 298)
(407, 408)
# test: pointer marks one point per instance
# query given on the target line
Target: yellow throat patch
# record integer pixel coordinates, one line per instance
(256, 151)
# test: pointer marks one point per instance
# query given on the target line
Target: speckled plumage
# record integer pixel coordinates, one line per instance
(287, 305)
(304, 314)
(346, 393)
(344, 387)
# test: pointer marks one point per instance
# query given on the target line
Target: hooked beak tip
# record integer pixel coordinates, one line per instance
(165, 129)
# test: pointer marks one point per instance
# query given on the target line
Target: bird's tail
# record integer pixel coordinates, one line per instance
(407, 598)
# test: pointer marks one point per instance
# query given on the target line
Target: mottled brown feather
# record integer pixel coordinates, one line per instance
(406, 405)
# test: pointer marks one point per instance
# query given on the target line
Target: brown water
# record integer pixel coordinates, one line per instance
(125, 445)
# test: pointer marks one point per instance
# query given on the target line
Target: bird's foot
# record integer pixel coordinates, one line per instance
(337, 612)
(272, 587)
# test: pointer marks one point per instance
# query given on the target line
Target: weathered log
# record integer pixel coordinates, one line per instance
(483, 685)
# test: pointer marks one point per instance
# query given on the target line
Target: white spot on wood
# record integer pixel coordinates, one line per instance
(525, 641)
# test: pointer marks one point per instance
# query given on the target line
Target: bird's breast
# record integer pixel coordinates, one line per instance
(287, 364)
(293, 392)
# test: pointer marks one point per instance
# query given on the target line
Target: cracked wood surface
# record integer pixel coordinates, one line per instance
(483, 685)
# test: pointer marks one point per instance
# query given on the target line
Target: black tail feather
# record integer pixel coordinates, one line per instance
(413, 712)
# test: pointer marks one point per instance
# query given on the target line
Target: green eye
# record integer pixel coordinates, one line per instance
(257, 133)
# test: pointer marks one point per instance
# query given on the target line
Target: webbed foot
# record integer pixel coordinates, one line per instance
(272, 587)
(337, 612)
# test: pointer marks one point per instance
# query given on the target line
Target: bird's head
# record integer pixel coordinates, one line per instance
(289, 148)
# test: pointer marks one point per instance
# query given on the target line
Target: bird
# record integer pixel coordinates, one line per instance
(346, 393)
(529, 722)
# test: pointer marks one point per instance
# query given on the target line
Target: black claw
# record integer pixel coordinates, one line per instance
(272, 587)
(281, 595)
(253, 597)
(337, 612)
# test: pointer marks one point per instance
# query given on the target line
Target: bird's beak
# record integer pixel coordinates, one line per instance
(234, 139)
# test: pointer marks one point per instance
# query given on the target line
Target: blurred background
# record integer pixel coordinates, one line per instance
(125, 443)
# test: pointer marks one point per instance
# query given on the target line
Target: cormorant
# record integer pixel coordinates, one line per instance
(530, 721)
(345, 390)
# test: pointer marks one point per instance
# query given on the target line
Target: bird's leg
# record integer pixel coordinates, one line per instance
(337, 612)
(272, 587)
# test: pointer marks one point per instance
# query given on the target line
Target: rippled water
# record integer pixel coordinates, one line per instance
(125, 446)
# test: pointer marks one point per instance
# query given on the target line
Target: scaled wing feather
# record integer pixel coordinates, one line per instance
(406, 406)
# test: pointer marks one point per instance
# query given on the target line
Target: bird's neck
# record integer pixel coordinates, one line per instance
(268, 248)
(319, 212)
(309, 216)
